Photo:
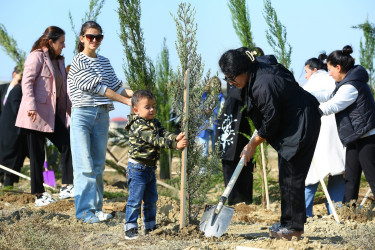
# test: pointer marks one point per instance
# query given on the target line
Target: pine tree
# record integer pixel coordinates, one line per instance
(241, 22)
(9, 45)
(95, 6)
(140, 72)
(139, 69)
(276, 35)
(367, 50)
(242, 25)
(199, 168)
(163, 78)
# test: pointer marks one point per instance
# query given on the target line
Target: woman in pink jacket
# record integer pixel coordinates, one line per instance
(45, 109)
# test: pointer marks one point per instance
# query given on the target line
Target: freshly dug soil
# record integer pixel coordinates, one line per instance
(23, 226)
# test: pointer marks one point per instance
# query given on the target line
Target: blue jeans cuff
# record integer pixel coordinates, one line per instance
(149, 224)
(128, 226)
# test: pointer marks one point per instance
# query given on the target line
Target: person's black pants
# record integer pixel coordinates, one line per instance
(17, 162)
(243, 189)
(360, 155)
(292, 175)
(35, 141)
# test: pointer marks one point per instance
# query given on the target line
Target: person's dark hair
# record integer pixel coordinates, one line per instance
(259, 51)
(87, 25)
(140, 94)
(342, 58)
(53, 33)
(237, 61)
(16, 70)
(318, 63)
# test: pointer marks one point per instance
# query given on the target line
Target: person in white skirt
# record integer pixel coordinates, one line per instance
(329, 156)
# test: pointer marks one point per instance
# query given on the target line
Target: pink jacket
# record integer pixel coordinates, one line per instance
(39, 93)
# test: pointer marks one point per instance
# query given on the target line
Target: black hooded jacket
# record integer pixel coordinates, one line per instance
(359, 117)
(283, 113)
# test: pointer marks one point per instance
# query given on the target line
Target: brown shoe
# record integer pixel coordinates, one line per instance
(286, 234)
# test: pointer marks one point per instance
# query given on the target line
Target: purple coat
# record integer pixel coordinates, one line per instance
(39, 93)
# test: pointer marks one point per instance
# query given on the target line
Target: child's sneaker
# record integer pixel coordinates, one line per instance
(149, 230)
(131, 234)
(44, 200)
(66, 192)
(91, 219)
(103, 216)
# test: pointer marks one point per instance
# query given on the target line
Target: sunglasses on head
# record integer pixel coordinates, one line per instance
(91, 37)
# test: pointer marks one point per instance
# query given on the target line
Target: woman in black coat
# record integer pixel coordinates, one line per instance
(13, 149)
(230, 137)
(288, 118)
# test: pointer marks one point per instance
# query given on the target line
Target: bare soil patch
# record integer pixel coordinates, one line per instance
(24, 226)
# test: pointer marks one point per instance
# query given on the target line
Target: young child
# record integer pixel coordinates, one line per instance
(146, 137)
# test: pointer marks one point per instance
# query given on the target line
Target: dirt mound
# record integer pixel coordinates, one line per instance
(17, 198)
(60, 206)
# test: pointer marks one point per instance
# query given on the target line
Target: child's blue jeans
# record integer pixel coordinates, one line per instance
(142, 186)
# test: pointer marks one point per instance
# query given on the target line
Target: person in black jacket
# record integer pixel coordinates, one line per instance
(13, 148)
(288, 118)
(354, 107)
(230, 137)
(232, 127)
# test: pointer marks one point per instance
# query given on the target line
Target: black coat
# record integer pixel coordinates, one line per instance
(232, 126)
(3, 91)
(282, 112)
(11, 139)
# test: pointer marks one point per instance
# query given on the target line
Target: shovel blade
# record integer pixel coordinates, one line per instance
(49, 178)
(215, 224)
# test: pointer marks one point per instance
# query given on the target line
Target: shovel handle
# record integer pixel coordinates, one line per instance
(46, 165)
(233, 179)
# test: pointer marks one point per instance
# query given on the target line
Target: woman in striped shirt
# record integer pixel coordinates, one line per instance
(93, 86)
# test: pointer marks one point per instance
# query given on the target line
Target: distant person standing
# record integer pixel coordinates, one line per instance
(329, 155)
(13, 145)
(353, 104)
(93, 85)
(207, 136)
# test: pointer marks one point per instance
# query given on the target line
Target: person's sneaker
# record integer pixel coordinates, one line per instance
(286, 234)
(66, 192)
(91, 219)
(131, 234)
(275, 227)
(44, 200)
(103, 216)
(149, 230)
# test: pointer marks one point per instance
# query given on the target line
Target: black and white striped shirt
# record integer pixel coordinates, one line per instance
(88, 79)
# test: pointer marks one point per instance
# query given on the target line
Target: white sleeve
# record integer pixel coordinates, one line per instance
(322, 95)
(345, 96)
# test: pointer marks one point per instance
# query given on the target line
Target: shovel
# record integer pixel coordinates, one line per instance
(216, 219)
(48, 175)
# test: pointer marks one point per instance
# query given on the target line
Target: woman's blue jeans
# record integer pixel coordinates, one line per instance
(142, 186)
(88, 139)
(336, 189)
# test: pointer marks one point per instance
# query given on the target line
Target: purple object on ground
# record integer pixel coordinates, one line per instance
(48, 175)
